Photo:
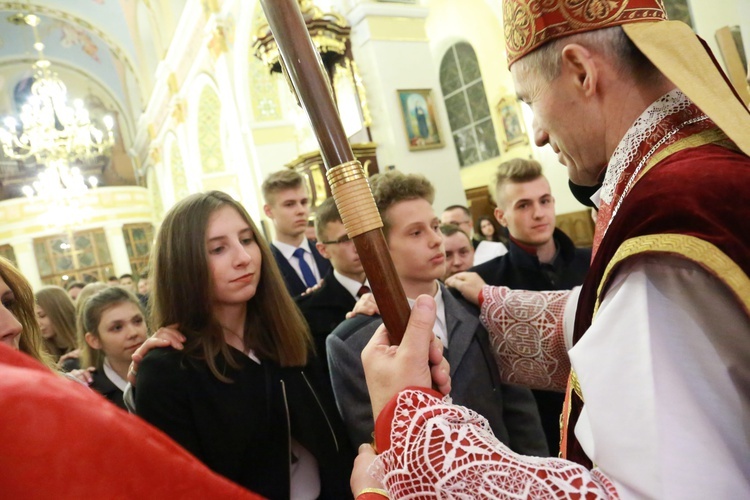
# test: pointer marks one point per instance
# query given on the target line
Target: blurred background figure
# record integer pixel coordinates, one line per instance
(19, 327)
(488, 229)
(127, 282)
(459, 252)
(55, 313)
(144, 286)
(484, 249)
(74, 288)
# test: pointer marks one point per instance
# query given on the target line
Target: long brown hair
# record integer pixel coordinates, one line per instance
(86, 293)
(30, 341)
(61, 310)
(274, 328)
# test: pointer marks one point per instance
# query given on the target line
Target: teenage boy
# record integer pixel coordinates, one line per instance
(540, 256)
(288, 206)
(412, 231)
(327, 306)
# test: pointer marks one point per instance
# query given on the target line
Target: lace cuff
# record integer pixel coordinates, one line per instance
(440, 450)
(527, 336)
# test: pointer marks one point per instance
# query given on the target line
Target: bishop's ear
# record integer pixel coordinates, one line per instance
(580, 66)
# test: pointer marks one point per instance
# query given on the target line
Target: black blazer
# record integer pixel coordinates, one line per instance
(293, 282)
(104, 386)
(475, 381)
(520, 270)
(242, 430)
(324, 309)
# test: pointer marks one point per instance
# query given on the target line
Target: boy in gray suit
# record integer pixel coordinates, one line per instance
(412, 231)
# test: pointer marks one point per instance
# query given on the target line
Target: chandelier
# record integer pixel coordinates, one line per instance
(50, 130)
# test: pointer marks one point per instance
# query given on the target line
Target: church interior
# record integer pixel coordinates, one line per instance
(113, 110)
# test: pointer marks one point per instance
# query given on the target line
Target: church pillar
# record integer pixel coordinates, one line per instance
(24, 251)
(117, 249)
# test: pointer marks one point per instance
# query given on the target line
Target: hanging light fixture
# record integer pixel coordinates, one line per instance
(51, 131)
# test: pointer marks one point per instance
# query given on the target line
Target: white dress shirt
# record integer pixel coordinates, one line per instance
(288, 252)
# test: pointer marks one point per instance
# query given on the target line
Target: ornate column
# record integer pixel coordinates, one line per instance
(24, 250)
(117, 249)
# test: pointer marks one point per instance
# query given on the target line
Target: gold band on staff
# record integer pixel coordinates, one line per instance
(354, 199)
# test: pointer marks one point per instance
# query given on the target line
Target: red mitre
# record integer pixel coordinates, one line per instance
(531, 23)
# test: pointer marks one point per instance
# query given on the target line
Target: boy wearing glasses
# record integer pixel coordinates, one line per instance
(327, 306)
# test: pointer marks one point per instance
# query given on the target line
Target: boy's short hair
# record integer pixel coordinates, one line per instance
(280, 181)
(392, 187)
(460, 207)
(127, 275)
(517, 170)
(451, 229)
(74, 284)
(326, 213)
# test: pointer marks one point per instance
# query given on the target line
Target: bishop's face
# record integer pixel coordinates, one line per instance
(566, 119)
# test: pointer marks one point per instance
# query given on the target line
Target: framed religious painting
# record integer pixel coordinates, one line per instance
(513, 128)
(420, 119)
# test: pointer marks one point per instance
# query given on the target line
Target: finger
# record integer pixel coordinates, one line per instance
(419, 334)
(455, 281)
(379, 338)
(169, 334)
(436, 351)
(441, 378)
(366, 449)
(131, 374)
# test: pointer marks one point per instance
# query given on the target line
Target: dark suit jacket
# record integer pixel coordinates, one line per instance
(475, 381)
(519, 269)
(324, 309)
(242, 429)
(104, 386)
(293, 282)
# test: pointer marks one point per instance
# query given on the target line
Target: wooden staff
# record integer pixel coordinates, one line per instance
(345, 175)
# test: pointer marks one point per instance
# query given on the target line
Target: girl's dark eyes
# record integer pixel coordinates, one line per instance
(8, 303)
(216, 250)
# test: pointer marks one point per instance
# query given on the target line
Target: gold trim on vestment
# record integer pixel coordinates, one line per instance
(694, 249)
(710, 136)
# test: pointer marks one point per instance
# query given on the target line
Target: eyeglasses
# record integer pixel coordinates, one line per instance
(340, 241)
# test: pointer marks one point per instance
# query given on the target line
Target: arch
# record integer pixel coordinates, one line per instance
(154, 189)
(466, 104)
(146, 43)
(176, 167)
(210, 131)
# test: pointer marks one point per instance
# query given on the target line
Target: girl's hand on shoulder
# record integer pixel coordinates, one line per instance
(164, 337)
(82, 376)
(365, 305)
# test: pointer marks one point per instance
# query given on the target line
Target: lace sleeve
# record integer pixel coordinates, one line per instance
(440, 450)
(526, 333)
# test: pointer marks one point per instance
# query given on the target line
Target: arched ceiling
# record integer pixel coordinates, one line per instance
(105, 51)
(99, 39)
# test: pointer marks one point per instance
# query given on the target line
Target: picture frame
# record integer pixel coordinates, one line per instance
(420, 119)
(514, 130)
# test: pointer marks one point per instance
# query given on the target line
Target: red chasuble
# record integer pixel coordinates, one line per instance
(690, 201)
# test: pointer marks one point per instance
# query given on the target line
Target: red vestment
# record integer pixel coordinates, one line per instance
(63, 440)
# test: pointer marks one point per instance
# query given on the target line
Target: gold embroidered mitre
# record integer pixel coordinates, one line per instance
(531, 23)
